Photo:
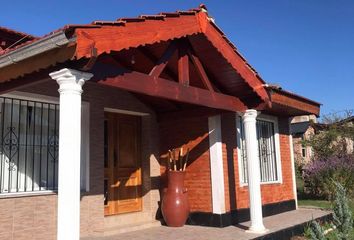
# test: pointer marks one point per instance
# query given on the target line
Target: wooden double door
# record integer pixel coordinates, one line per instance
(122, 164)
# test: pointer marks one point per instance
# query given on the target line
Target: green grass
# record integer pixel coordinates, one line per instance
(321, 204)
(304, 200)
(314, 203)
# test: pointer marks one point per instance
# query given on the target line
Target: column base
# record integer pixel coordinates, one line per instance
(257, 230)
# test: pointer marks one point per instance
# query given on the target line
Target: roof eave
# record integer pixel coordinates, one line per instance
(55, 40)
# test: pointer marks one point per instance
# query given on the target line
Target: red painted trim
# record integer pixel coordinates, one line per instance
(295, 103)
(183, 64)
(163, 88)
(223, 45)
(200, 69)
(135, 34)
(163, 61)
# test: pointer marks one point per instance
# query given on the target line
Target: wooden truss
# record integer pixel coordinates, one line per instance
(181, 91)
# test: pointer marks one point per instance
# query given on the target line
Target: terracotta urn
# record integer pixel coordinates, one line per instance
(175, 205)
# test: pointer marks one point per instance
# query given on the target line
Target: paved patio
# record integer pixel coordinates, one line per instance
(275, 224)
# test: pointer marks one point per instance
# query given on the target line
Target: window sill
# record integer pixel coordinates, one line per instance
(27, 194)
(37, 193)
(263, 183)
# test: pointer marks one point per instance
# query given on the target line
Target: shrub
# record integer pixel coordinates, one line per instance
(342, 224)
(342, 215)
(315, 231)
(319, 176)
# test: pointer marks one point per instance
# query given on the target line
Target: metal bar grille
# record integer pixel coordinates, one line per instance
(266, 146)
(266, 151)
(28, 145)
(244, 175)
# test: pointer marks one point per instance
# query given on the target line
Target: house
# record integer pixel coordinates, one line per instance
(128, 90)
(302, 129)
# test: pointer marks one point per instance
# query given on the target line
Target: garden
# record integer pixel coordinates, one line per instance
(327, 182)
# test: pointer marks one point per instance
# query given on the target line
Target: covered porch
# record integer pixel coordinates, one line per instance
(155, 91)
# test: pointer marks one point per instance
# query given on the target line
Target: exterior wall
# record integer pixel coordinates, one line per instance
(28, 218)
(24, 217)
(32, 216)
(190, 133)
(194, 135)
(237, 197)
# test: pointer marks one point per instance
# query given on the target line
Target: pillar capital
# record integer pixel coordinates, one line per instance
(70, 80)
(249, 115)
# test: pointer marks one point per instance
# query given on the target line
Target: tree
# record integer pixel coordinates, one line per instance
(334, 137)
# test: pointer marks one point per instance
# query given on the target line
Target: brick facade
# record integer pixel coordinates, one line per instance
(271, 193)
(35, 217)
(37, 214)
(190, 133)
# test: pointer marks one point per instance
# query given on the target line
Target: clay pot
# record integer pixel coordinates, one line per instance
(175, 205)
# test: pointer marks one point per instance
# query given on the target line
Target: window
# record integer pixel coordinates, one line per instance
(29, 144)
(268, 150)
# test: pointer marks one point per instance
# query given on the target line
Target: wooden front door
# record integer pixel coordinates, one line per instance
(122, 173)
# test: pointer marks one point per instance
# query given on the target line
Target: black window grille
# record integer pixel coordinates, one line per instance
(28, 145)
(266, 151)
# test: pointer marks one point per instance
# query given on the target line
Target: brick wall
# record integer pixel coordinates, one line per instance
(28, 218)
(190, 133)
(193, 133)
(157, 139)
(271, 193)
(35, 217)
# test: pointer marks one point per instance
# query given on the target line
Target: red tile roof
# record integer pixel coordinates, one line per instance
(141, 18)
(199, 22)
(11, 38)
(14, 32)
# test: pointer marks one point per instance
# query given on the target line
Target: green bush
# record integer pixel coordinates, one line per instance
(342, 225)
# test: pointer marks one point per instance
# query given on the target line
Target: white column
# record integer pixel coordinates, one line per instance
(216, 165)
(253, 166)
(70, 89)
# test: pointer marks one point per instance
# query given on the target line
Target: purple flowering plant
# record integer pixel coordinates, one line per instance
(319, 176)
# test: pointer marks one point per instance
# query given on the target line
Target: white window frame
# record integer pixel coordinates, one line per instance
(268, 118)
(85, 141)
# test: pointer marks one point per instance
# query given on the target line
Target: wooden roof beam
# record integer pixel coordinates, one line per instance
(200, 69)
(149, 55)
(188, 113)
(163, 88)
(163, 61)
(183, 64)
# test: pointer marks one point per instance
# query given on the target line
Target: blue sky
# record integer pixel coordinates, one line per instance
(305, 46)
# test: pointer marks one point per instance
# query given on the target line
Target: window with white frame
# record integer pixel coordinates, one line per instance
(29, 143)
(268, 150)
